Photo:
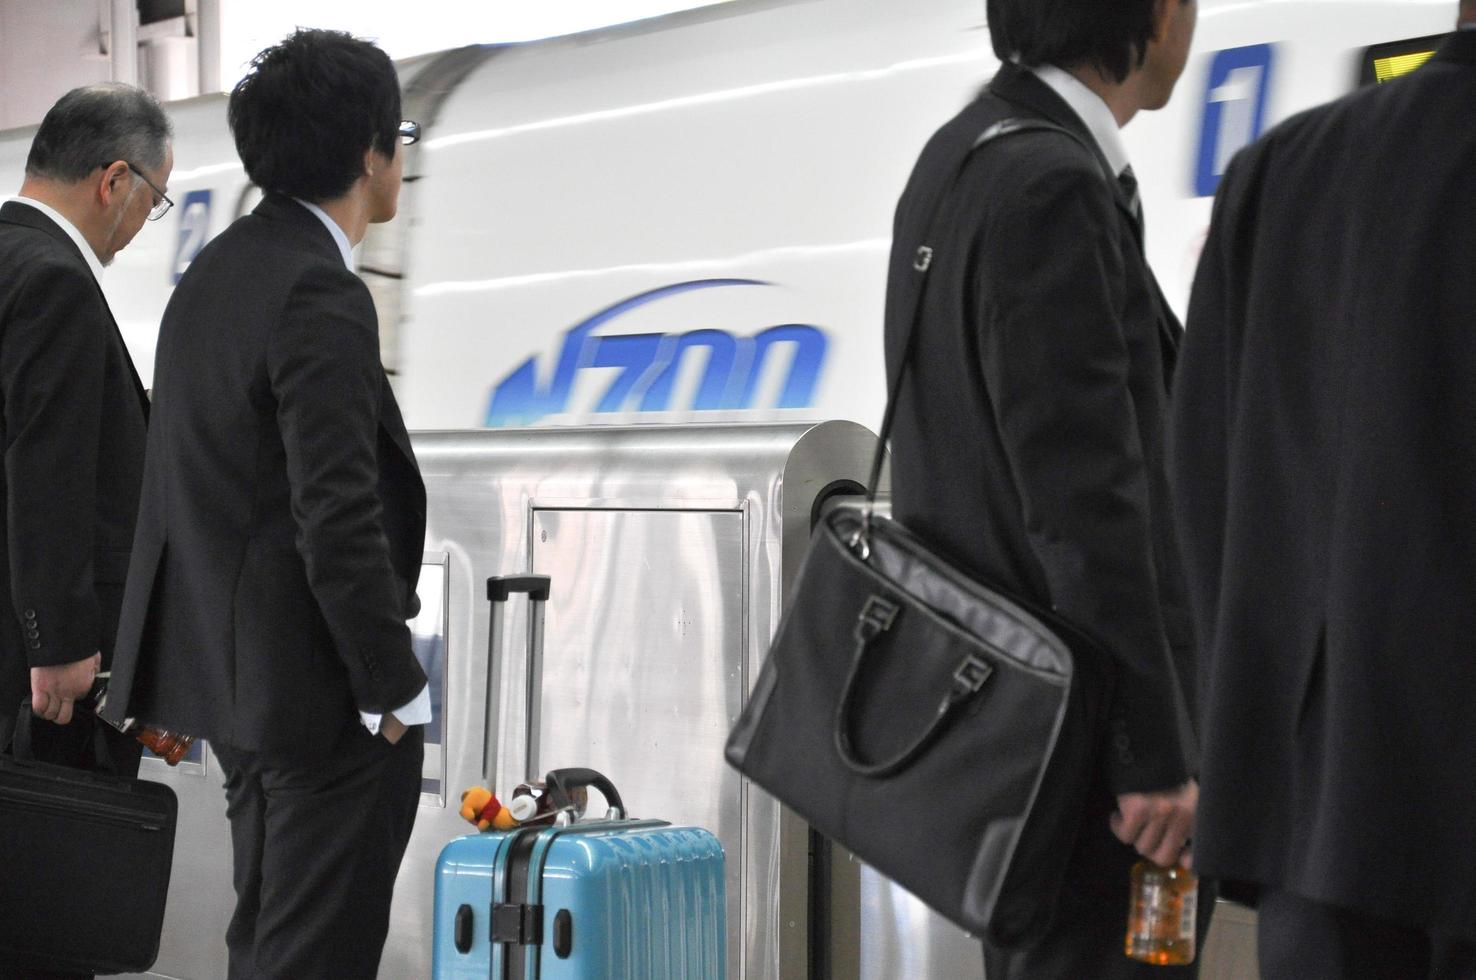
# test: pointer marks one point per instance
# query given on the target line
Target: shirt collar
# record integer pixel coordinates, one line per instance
(93, 262)
(1090, 108)
(340, 237)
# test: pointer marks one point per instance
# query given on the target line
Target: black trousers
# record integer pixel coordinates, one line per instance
(316, 851)
(75, 745)
(1299, 939)
(1087, 936)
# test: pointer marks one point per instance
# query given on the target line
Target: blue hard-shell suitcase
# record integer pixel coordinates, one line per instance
(613, 899)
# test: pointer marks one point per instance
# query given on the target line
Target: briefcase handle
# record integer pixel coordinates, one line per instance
(19, 739)
(969, 676)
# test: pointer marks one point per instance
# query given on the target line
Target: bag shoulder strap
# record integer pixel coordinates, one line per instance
(922, 263)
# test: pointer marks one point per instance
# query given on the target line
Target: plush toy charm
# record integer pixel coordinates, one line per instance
(480, 807)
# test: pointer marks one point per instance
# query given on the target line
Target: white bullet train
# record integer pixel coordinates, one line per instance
(686, 220)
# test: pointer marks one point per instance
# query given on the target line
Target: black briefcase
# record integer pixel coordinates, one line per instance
(85, 866)
(941, 732)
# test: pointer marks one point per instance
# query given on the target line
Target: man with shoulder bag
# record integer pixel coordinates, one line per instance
(1030, 419)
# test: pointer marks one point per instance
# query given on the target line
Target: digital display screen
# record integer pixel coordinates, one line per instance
(1386, 62)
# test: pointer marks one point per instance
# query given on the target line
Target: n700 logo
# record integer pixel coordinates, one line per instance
(647, 365)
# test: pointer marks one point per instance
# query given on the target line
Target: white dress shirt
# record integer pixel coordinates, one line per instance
(1090, 108)
(93, 262)
(418, 711)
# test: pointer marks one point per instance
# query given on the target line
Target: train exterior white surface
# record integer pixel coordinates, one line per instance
(688, 220)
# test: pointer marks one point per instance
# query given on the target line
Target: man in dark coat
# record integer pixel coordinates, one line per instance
(1029, 437)
(74, 413)
(1324, 420)
(283, 524)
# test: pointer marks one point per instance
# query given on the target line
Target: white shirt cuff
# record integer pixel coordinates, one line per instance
(417, 712)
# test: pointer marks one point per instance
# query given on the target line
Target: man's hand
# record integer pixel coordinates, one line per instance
(53, 689)
(1157, 825)
(391, 728)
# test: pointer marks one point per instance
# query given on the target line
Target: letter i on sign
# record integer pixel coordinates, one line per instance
(1234, 110)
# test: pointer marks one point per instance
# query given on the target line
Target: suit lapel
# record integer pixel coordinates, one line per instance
(19, 213)
(1023, 89)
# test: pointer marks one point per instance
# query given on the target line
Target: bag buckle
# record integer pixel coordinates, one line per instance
(969, 676)
(876, 617)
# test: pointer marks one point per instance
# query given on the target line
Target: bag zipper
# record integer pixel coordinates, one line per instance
(46, 803)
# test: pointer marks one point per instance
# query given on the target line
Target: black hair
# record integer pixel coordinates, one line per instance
(95, 125)
(1110, 35)
(309, 108)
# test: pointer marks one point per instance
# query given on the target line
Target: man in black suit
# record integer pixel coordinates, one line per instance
(283, 524)
(1029, 434)
(1323, 468)
(74, 413)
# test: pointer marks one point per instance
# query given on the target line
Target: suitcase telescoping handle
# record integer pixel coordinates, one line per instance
(500, 587)
(524, 682)
(561, 784)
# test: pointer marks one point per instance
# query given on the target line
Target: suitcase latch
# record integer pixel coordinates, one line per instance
(520, 924)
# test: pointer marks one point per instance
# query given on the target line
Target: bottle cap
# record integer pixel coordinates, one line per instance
(522, 808)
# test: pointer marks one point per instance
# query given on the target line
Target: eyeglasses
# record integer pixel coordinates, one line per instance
(163, 204)
(409, 132)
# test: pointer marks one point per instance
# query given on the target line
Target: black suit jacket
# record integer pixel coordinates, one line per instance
(283, 522)
(1029, 435)
(1325, 474)
(73, 430)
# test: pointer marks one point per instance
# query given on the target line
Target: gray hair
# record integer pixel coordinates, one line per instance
(95, 125)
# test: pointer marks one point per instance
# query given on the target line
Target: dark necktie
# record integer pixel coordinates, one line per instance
(1129, 184)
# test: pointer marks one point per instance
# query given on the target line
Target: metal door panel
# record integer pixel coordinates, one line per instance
(642, 669)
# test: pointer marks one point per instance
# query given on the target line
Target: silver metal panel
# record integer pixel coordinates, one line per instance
(642, 675)
(488, 491)
(901, 937)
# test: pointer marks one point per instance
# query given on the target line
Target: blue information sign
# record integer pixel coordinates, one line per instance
(194, 231)
(1234, 110)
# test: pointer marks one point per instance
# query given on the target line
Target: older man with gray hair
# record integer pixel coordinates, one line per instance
(72, 410)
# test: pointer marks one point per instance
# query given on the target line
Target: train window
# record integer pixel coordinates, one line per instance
(1385, 62)
(428, 637)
